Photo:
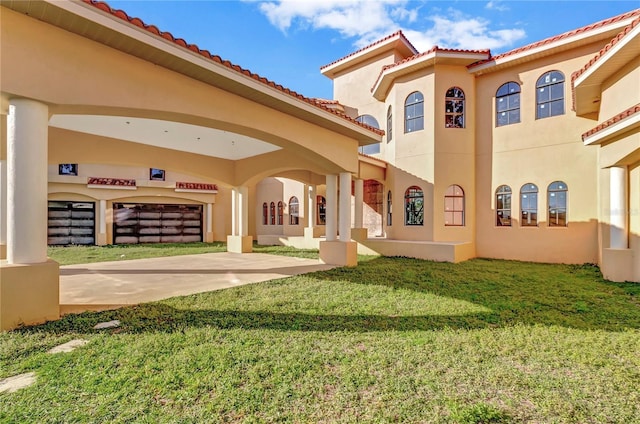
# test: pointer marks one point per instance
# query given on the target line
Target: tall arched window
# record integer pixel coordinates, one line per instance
(503, 206)
(369, 149)
(454, 108)
(508, 104)
(265, 214)
(272, 212)
(389, 125)
(414, 206)
(414, 112)
(557, 201)
(294, 211)
(454, 206)
(389, 209)
(321, 215)
(280, 213)
(529, 205)
(550, 95)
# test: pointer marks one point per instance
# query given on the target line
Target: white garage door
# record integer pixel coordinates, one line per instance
(71, 223)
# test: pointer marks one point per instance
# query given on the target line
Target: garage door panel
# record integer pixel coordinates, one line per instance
(71, 223)
(157, 223)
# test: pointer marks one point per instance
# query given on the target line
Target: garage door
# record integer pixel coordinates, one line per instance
(71, 223)
(156, 223)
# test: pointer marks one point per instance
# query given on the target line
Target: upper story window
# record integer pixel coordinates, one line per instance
(265, 214)
(369, 149)
(454, 108)
(414, 112)
(508, 104)
(414, 206)
(389, 125)
(550, 95)
(503, 206)
(280, 212)
(454, 206)
(557, 202)
(294, 211)
(529, 205)
(272, 210)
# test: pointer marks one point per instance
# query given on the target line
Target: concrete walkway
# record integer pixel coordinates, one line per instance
(108, 285)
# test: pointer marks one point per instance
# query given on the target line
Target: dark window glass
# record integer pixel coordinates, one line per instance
(265, 214)
(280, 213)
(508, 104)
(389, 209)
(294, 211)
(454, 108)
(272, 210)
(557, 202)
(389, 125)
(503, 206)
(550, 95)
(414, 206)
(529, 205)
(414, 112)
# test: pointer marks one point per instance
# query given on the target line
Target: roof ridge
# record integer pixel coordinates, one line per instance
(433, 49)
(635, 12)
(614, 119)
(398, 33)
(121, 14)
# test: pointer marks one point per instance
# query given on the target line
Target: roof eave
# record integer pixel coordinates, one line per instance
(612, 131)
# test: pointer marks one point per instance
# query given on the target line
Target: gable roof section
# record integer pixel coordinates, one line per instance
(423, 60)
(396, 41)
(586, 83)
(602, 30)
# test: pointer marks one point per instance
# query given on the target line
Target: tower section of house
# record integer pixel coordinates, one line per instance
(537, 196)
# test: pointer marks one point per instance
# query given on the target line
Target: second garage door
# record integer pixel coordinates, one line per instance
(156, 223)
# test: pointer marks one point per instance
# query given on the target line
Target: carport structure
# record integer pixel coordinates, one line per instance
(85, 82)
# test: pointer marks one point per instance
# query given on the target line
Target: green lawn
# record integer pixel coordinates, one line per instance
(393, 340)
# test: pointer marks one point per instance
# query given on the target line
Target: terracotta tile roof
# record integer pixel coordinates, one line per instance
(619, 117)
(215, 58)
(433, 49)
(560, 37)
(388, 37)
(605, 49)
(575, 75)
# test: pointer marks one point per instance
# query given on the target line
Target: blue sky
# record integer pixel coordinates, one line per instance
(288, 41)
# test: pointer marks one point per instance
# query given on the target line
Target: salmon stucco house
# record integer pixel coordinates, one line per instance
(116, 132)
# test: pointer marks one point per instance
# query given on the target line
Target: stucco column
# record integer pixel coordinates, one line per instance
(239, 241)
(29, 283)
(332, 208)
(345, 206)
(3, 207)
(359, 194)
(311, 204)
(27, 144)
(342, 252)
(102, 228)
(618, 206)
(209, 219)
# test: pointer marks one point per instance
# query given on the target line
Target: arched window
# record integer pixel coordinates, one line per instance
(550, 95)
(370, 149)
(454, 108)
(321, 215)
(414, 112)
(389, 125)
(414, 206)
(280, 213)
(265, 214)
(454, 206)
(557, 201)
(508, 104)
(294, 211)
(389, 209)
(529, 205)
(272, 212)
(503, 206)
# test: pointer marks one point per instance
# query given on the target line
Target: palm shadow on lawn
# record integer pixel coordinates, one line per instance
(508, 292)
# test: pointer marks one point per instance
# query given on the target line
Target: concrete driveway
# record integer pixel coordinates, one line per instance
(107, 285)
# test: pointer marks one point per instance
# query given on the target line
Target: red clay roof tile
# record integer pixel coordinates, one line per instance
(619, 117)
(101, 5)
(388, 37)
(560, 36)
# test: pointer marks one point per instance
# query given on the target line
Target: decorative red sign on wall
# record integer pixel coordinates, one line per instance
(196, 186)
(111, 181)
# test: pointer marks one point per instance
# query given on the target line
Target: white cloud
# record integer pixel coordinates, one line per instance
(497, 5)
(368, 21)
